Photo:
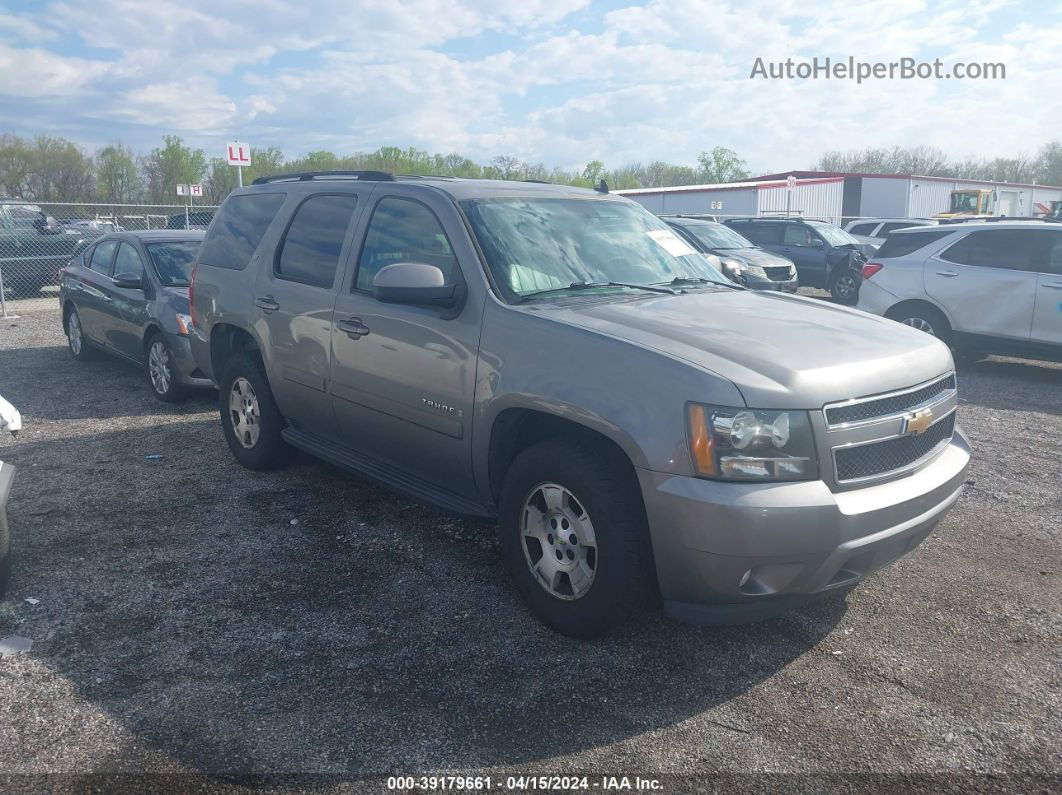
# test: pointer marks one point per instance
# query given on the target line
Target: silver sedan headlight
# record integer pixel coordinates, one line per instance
(750, 444)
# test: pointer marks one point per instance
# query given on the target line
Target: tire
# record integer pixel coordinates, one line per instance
(599, 503)
(256, 442)
(924, 318)
(161, 371)
(80, 347)
(844, 286)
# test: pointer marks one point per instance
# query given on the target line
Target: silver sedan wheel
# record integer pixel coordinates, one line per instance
(921, 324)
(558, 540)
(73, 333)
(244, 413)
(159, 367)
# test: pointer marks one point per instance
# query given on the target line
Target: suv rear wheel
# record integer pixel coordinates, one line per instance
(924, 318)
(574, 536)
(249, 415)
(844, 286)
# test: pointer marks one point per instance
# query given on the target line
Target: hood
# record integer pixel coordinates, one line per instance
(780, 351)
(755, 256)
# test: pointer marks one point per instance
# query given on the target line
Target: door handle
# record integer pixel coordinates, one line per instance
(268, 303)
(949, 274)
(1054, 285)
(353, 327)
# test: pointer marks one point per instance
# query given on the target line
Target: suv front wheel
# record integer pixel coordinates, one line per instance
(249, 415)
(574, 536)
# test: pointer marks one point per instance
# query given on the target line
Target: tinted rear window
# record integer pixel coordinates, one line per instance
(908, 242)
(310, 251)
(238, 229)
(765, 234)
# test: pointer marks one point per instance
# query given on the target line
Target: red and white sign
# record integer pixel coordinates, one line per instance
(790, 182)
(195, 190)
(238, 154)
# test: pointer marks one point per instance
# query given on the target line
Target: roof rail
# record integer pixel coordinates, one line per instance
(997, 219)
(307, 176)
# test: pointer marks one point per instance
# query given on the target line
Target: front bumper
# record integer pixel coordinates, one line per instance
(188, 372)
(735, 552)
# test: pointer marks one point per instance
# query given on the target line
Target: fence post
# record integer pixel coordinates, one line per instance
(3, 298)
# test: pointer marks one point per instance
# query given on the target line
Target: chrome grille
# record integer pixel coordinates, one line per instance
(778, 274)
(877, 458)
(884, 406)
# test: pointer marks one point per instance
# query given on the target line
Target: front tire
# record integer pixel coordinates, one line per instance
(574, 536)
(249, 415)
(161, 370)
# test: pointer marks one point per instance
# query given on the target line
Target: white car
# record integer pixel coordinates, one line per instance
(10, 421)
(874, 230)
(991, 287)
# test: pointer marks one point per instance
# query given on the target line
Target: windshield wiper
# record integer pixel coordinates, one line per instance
(680, 281)
(593, 285)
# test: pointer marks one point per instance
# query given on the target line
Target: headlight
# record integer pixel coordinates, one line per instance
(184, 324)
(750, 444)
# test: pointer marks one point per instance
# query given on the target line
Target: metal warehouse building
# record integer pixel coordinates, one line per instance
(836, 197)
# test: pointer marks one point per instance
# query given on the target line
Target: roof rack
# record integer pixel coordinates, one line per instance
(997, 219)
(308, 176)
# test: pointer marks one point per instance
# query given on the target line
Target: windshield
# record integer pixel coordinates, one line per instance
(718, 236)
(533, 244)
(964, 202)
(833, 235)
(173, 261)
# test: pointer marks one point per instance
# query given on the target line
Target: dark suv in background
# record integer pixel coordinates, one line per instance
(742, 260)
(825, 255)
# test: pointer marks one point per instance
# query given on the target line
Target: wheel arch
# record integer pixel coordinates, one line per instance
(226, 341)
(516, 428)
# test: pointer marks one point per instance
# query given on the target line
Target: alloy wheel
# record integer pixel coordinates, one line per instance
(73, 332)
(244, 413)
(921, 324)
(845, 287)
(159, 367)
(558, 540)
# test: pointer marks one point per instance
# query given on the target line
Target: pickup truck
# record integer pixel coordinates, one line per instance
(559, 360)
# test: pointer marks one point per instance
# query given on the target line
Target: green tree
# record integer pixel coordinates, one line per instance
(59, 171)
(117, 175)
(16, 163)
(722, 165)
(170, 165)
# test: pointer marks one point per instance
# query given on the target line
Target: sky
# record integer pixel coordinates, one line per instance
(558, 82)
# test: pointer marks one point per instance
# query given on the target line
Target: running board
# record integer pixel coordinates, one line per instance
(386, 474)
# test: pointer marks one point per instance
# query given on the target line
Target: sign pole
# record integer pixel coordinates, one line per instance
(239, 176)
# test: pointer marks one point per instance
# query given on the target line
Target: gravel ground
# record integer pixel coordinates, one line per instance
(200, 625)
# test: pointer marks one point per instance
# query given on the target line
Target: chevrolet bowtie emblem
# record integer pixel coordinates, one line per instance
(919, 421)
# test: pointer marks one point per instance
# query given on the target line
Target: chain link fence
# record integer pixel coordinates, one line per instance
(37, 239)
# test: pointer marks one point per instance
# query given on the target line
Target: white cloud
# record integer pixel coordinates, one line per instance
(548, 80)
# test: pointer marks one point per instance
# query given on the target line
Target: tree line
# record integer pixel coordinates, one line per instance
(53, 169)
(50, 169)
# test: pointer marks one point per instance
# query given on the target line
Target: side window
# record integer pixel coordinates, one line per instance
(310, 250)
(1054, 253)
(1010, 249)
(886, 228)
(102, 256)
(864, 229)
(767, 234)
(798, 235)
(128, 260)
(404, 230)
(238, 228)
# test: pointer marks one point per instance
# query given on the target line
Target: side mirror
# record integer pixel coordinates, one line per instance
(128, 281)
(815, 243)
(414, 283)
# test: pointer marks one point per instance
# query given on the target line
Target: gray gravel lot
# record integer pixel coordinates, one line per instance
(220, 626)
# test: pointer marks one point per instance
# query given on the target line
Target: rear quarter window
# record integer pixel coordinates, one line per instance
(904, 244)
(239, 227)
